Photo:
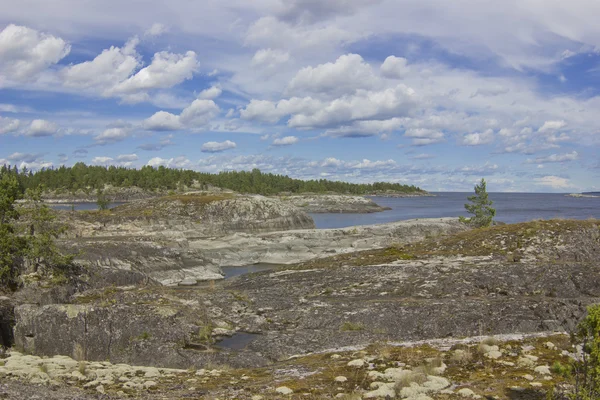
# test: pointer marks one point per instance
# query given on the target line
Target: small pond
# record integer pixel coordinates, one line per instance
(80, 206)
(238, 341)
(230, 272)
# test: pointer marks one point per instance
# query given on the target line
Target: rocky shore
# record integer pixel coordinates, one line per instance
(334, 204)
(420, 310)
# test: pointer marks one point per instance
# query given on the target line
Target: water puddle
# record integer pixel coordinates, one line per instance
(238, 341)
(230, 272)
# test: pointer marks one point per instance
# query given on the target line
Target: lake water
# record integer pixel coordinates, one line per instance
(510, 208)
(230, 272)
(80, 206)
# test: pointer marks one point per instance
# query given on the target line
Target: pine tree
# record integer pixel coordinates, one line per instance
(480, 207)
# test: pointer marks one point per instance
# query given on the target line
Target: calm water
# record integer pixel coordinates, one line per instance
(230, 272)
(81, 206)
(510, 208)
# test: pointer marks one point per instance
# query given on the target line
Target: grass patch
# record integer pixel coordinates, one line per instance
(352, 326)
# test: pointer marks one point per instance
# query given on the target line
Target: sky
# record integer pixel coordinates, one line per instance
(432, 93)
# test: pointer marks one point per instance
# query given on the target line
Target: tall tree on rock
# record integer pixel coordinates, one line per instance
(480, 207)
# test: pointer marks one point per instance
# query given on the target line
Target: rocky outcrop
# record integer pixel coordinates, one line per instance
(334, 204)
(190, 216)
(301, 245)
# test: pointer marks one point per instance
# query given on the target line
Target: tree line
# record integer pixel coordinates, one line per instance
(90, 178)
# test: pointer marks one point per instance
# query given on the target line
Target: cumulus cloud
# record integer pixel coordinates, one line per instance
(156, 29)
(478, 138)
(164, 142)
(554, 182)
(285, 141)
(217, 147)
(8, 125)
(269, 58)
(25, 52)
(552, 126)
(394, 67)
(177, 162)
(25, 157)
(347, 74)
(424, 136)
(555, 158)
(41, 128)
(210, 93)
(112, 135)
(80, 153)
(162, 121)
(111, 66)
(102, 160)
(166, 70)
(127, 157)
(196, 115)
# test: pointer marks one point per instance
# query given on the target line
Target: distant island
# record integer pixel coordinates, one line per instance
(83, 182)
(584, 194)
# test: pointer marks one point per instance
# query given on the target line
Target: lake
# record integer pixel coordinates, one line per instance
(510, 208)
(80, 206)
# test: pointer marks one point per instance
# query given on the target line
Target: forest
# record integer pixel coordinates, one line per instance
(92, 178)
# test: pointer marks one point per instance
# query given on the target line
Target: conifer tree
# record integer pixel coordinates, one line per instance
(480, 207)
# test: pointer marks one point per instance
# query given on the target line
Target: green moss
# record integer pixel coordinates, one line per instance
(351, 326)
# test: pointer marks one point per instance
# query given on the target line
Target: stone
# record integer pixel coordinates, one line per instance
(383, 390)
(466, 392)
(284, 390)
(542, 370)
(340, 379)
(359, 363)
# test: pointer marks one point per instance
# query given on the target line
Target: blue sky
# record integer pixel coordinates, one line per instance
(433, 93)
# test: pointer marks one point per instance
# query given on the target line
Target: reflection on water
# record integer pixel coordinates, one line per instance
(230, 272)
(238, 341)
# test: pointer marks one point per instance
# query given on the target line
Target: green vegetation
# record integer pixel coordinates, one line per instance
(89, 178)
(29, 245)
(351, 326)
(586, 370)
(101, 200)
(481, 207)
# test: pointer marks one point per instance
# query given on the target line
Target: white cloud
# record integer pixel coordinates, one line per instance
(195, 116)
(8, 125)
(25, 157)
(347, 74)
(285, 141)
(269, 58)
(177, 162)
(210, 93)
(112, 135)
(40, 128)
(552, 126)
(217, 147)
(424, 136)
(555, 158)
(102, 160)
(166, 70)
(422, 156)
(156, 29)
(394, 67)
(162, 121)
(25, 52)
(127, 157)
(199, 113)
(554, 182)
(478, 138)
(110, 67)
